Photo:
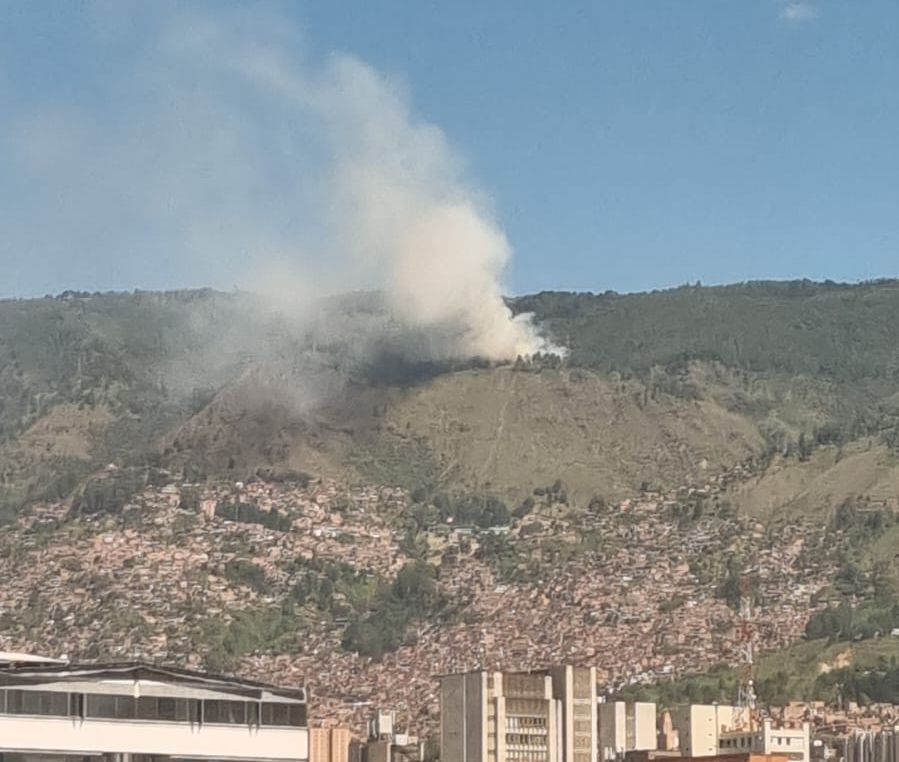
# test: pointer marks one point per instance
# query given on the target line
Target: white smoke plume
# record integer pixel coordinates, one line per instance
(399, 204)
(408, 212)
(231, 148)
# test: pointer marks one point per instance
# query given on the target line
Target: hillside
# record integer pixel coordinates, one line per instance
(813, 670)
(658, 389)
(317, 497)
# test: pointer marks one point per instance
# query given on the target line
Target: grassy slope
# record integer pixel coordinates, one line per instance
(829, 477)
(514, 430)
(793, 672)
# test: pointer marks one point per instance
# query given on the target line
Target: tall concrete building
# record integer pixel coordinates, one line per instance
(575, 688)
(626, 726)
(542, 716)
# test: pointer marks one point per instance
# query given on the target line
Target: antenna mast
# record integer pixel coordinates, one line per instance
(746, 692)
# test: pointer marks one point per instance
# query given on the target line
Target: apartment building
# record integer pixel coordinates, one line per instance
(789, 740)
(626, 727)
(118, 711)
(540, 716)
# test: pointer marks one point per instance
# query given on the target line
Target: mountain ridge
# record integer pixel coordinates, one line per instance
(654, 385)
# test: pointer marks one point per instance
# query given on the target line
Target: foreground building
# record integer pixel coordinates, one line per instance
(117, 711)
(541, 716)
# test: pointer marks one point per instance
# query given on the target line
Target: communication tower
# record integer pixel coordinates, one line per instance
(746, 639)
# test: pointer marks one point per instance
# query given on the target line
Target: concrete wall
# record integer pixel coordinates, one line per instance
(793, 742)
(699, 727)
(319, 745)
(575, 689)
(463, 717)
(643, 719)
(475, 717)
(452, 718)
(612, 729)
(73, 736)
(625, 727)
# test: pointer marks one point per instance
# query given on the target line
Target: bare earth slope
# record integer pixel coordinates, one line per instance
(497, 430)
(817, 486)
(514, 430)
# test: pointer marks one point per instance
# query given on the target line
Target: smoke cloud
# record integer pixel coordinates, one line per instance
(408, 211)
(231, 148)
(399, 206)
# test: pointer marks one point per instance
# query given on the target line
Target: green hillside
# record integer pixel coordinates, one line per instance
(658, 389)
(838, 331)
(812, 670)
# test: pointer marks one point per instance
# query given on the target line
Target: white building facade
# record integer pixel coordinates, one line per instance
(699, 727)
(792, 741)
(129, 712)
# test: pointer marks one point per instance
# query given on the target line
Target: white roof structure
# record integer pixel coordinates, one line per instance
(13, 657)
(120, 678)
(56, 707)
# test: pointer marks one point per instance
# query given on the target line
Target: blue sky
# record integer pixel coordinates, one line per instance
(619, 145)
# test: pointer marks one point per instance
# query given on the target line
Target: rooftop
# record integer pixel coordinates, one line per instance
(131, 678)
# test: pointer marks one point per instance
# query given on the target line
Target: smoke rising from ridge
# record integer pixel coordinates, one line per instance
(399, 206)
(410, 212)
(231, 149)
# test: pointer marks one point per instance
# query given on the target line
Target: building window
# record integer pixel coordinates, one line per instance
(151, 708)
(110, 707)
(275, 714)
(76, 705)
(143, 708)
(162, 708)
(171, 709)
(224, 712)
(38, 703)
(101, 706)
